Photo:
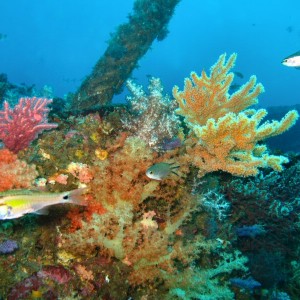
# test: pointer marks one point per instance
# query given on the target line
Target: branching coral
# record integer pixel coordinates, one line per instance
(224, 134)
(207, 96)
(143, 219)
(22, 124)
(231, 143)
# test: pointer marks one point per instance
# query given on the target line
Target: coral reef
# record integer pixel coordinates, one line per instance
(265, 215)
(46, 280)
(122, 189)
(196, 234)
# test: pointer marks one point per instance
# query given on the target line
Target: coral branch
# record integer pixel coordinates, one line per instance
(154, 119)
(224, 134)
(22, 124)
(207, 96)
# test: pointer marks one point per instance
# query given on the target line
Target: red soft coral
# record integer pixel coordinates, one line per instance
(14, 173)
(22, 124)
(75, 215)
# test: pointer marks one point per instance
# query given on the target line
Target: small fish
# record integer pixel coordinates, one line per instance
(289, 29)
(248, 284)
(234, 87)
(170, 144)
(161, 170)
(238, 74)
(16, 203)
(292, 60)
(3, 36)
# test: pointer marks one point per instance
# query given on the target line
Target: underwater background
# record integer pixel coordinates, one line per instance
(162, 137)
(57, 43)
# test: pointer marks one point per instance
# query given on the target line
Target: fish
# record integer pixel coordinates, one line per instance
(293, 60)
(290, 29)
(161, 170)
(234, 88)
(3, 36)
(170, 144)
(238, 74)
(17, 203)
(249, 283)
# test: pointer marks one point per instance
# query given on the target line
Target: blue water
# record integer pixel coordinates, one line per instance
(57, 43)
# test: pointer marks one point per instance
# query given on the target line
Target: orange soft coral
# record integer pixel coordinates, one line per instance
(14, 173)
(225, 134)
(76, 215)
(207, 96)
(121, 177)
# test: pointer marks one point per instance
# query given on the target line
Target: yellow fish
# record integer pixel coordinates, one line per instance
(17, 203)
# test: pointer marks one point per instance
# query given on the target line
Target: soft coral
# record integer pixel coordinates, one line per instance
(20, 125)
(14, 173)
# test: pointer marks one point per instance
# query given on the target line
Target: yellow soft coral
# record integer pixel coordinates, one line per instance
(230, 143)
(207, 96)
(225, 134)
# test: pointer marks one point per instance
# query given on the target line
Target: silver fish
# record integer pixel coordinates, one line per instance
(292, 60)
(161, 170)
(16, 203)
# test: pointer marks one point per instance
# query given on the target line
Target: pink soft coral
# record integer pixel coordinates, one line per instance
(22, 124)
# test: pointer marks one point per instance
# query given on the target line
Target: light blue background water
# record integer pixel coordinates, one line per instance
(57, 42)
